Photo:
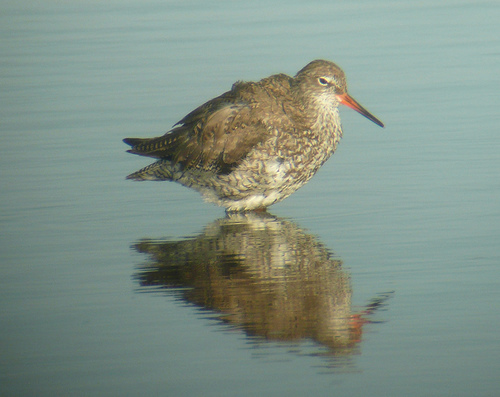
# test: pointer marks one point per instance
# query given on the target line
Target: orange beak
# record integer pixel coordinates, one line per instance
(347, 100)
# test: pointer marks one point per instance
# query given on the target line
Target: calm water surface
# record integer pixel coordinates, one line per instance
(380, 277)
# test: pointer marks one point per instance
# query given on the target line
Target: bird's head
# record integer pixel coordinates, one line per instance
(322, 84)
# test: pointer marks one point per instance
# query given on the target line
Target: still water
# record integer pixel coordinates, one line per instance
(380, 277)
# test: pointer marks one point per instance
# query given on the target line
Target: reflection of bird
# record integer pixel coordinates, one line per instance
(257, 143)
(263, 274)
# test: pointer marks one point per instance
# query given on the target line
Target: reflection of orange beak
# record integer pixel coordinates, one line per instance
(347, 100)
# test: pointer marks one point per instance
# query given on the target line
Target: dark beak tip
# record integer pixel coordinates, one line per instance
(371, 117)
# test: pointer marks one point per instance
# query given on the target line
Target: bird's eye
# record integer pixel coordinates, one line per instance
(323, 81)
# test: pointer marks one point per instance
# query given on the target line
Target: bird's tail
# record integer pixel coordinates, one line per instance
(144, 146)
(159, 171)
(135, 141)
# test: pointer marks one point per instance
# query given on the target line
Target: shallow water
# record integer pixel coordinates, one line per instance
(380, 276)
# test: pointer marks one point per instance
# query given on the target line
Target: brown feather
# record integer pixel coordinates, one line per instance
(221, 132)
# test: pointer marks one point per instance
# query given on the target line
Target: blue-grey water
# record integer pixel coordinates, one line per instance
(380, 277)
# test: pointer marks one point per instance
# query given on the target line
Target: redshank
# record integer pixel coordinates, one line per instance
(257, 143)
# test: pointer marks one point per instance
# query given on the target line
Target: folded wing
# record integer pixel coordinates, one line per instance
(215, 136)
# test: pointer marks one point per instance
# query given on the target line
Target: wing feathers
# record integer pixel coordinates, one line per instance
(220, 133)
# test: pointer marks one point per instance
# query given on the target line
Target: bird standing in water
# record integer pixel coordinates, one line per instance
(257, 143)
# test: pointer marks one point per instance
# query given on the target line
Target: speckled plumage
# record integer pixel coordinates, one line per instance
(257, 143)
